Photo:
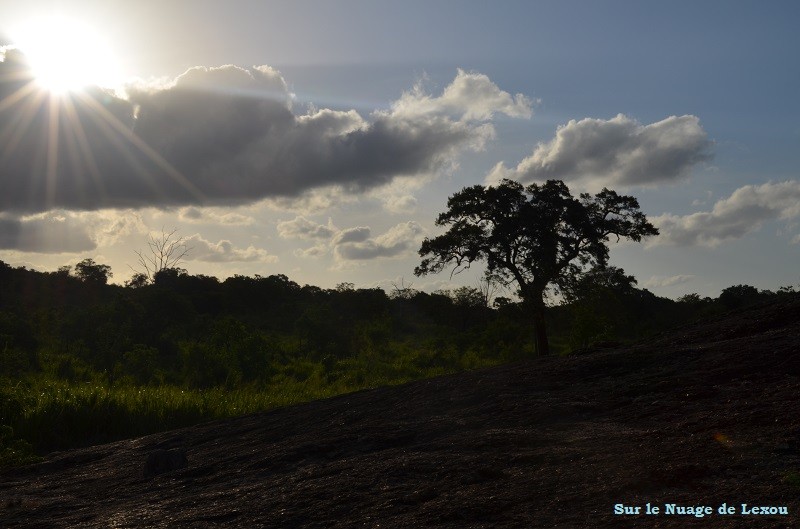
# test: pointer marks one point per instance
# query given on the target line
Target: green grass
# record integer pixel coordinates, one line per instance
(52, 414)
(42, 412)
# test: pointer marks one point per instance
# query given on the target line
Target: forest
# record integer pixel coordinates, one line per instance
(84, 361)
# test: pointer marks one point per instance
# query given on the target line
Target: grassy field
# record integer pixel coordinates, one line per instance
(42, 412)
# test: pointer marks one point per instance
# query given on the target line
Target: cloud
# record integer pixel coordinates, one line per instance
(661, 281)
(224, 136)
(471, 96)
(614, 152)
(109, 226)
(195, 215)
(350, 244)
(47, 233)
(356, 245)
(314, 252)
(400, 204)
(745, 211)
(302, 228)
(352, 235)
(224, 252)
(66, 231)
(399, 197)
(311, 202)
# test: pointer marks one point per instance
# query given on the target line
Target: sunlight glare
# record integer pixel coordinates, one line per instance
(66, 54)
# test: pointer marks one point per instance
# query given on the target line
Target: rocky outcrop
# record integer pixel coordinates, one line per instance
(160, 461)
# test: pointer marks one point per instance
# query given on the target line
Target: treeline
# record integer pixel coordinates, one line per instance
(74, 348)
(197, 331)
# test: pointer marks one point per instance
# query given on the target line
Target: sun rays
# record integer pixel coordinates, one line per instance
(66, 124)
(59, 90)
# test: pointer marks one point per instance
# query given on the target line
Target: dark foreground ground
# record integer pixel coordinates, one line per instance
(705, 415)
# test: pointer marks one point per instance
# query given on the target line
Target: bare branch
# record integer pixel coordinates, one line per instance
(164, 252)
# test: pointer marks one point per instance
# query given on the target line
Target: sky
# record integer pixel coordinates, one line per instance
(320, 140)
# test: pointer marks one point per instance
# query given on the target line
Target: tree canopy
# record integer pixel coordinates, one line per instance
(91, 272)
(535, 237)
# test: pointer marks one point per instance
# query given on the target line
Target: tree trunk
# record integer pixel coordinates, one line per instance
(533, 300)
(540, 331)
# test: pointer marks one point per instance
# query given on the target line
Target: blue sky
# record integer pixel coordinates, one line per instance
(727, 72)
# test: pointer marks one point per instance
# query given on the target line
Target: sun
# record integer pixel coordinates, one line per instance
(66, 54)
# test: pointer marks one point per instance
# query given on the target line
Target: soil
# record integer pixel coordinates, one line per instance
(704, 415)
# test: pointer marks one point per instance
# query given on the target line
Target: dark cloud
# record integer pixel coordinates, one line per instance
(47, 233)
(615, 152)
(221, 136)
(191, 214)
(356, 234)
(74, 153)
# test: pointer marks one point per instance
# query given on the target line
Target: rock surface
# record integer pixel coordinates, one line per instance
(706, 414)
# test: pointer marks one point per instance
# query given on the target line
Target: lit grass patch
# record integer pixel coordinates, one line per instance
(53, 414)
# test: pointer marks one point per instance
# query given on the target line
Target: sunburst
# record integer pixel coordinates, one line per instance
(57, 98)
(66, 54)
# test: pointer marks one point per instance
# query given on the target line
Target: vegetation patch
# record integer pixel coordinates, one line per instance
(84, 362)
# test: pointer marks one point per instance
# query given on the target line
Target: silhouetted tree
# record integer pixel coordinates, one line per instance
(598, 301)
(692, 299)
(165, 252)
(737, 296)
(596, 282)
(91, 272)
(402, 291)
(169, 277)
(488, 289)
(345, 287)
(534, 237)
(468, 297)
(138, 279)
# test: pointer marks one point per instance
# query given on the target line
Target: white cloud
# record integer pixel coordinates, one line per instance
(302, 228)
(614, 152)
(351, 244)
(745, 211)
(224, 252)
(332, 123)
(314, 252)
(471, 96)
(398, 197)
(398, 240)
(401, 204)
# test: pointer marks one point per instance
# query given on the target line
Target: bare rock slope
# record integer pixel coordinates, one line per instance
(704, 415)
